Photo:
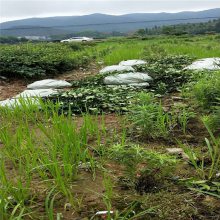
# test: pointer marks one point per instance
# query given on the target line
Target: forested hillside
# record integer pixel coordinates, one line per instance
(189, 28)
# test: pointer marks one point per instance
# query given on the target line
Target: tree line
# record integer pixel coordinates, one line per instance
(212, 26)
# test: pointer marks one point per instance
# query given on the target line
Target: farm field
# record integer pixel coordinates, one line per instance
(131, 152)
(30, 60)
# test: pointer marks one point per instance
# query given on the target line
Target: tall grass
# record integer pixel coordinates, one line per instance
(207, 172)
(206, 90)
(50, 150)
(135, 49)
(148, 116)
(126, 51)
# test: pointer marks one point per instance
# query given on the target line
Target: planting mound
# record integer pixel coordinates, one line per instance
(205, 64)
(116, 68)
(49, 84)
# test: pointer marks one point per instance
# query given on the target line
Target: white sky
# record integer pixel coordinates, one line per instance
(18, 9)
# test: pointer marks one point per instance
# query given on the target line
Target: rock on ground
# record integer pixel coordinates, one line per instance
(49, 84)
(205, 64)
(116, 68)
(178, 152)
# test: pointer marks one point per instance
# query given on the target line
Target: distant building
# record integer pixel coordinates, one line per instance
(37, 37)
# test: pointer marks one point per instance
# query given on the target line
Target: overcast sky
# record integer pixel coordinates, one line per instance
(18, 9)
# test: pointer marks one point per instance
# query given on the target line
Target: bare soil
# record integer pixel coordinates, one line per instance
(10, 88)
(79, 74)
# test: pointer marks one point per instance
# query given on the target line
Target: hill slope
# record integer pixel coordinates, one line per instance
(101, 22)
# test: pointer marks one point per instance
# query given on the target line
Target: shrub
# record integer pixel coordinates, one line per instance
(213, 120)
(207, 171)
(139, 162)
(182, 115)
(34, 60)
(96, 99)
(149, 117)
(168, 72)
(206, 90)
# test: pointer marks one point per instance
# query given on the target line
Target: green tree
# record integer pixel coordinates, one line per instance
(141, 32)
(217, 26)
(167, 30)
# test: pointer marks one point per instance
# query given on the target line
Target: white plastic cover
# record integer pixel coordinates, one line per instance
(127, 79)
(116, 68)
(37, 93)
(49, 84)
(11, 103)
(132, 62)
(205, 64)
(141, 85)
(7, 102)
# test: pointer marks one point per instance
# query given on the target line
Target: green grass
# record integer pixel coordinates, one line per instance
(194, 46)
(207, 172)
(125, 51)
(51, 160)
(39, 59)
(206, 90)
(53, 157)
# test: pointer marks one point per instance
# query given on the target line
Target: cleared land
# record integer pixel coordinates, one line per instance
(96, 148)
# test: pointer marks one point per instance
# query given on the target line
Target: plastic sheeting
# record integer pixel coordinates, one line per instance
(15, 102)
(133, 79)
(49, 84)
(37, 93)
(205, 64)
(116, 68)
(132, 62)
